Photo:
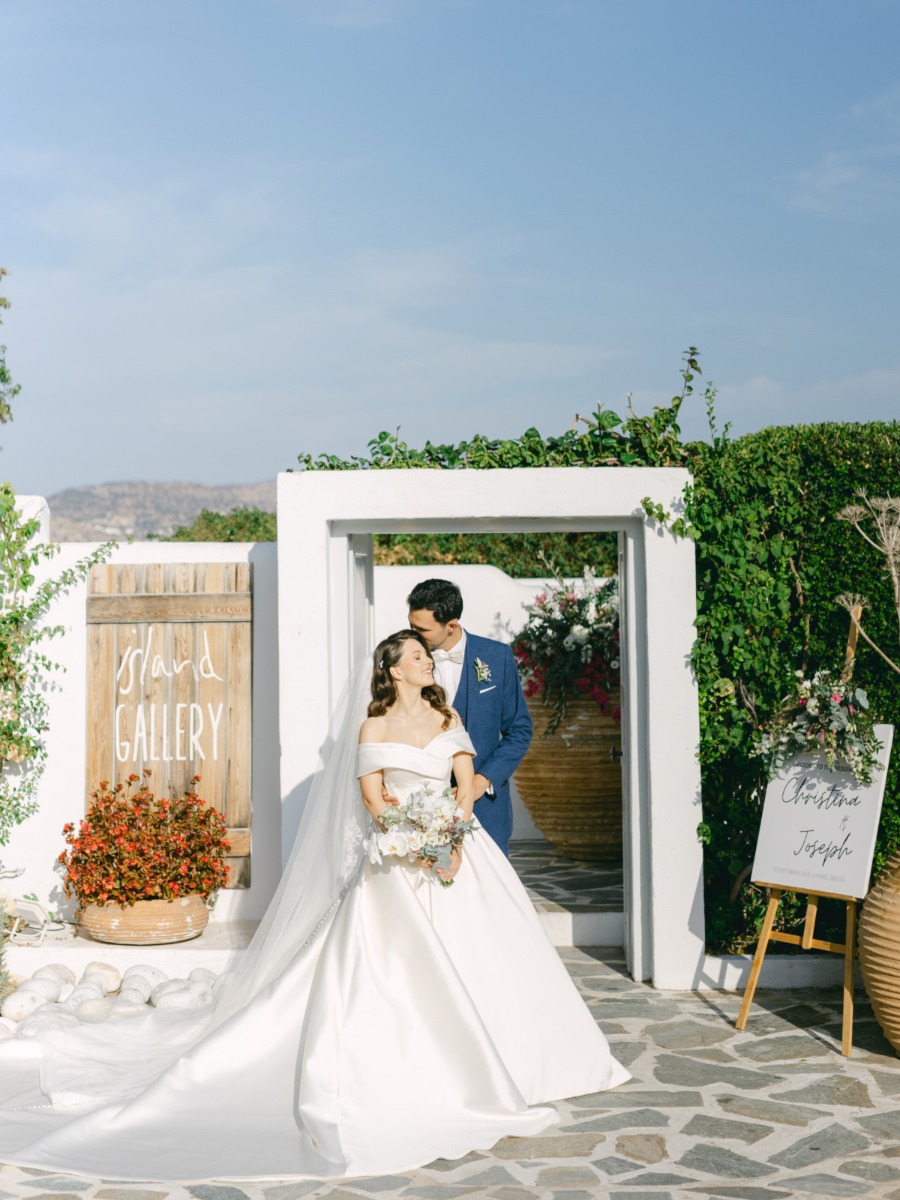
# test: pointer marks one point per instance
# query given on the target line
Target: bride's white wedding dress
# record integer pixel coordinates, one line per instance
(415, 1022)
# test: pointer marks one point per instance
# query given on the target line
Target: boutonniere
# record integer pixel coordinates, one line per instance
(482, 671)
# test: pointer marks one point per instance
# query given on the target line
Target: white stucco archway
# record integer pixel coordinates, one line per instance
(324, 570)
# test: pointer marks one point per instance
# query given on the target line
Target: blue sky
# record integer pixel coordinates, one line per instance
(236, 231)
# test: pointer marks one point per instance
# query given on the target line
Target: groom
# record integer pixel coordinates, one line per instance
(481, 681)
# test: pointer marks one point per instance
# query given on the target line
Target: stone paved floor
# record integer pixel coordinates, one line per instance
(575, 886)
(772, 1112)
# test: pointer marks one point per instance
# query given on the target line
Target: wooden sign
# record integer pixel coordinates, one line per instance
(169, 685)
(819, 827)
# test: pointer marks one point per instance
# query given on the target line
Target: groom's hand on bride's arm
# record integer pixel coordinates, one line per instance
(480, 785)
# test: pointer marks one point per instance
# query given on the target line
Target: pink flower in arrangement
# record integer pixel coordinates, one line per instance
(836, 696)
(802, 702)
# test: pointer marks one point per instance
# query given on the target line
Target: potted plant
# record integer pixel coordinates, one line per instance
(568, 657)
(142, 868)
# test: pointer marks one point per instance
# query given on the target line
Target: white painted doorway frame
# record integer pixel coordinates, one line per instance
(324, 518)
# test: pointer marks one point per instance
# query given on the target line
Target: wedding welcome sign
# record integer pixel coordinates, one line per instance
(819, 827)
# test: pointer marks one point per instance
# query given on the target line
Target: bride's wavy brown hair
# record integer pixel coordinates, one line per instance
(384, 689)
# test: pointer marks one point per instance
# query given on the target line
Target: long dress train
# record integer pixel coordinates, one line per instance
(419, 1022)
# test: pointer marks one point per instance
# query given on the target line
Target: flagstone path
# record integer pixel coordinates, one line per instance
(774, 1111)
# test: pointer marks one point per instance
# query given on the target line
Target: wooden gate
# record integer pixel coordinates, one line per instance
(169, 685)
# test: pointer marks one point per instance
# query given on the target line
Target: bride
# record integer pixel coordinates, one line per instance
(385, 1014)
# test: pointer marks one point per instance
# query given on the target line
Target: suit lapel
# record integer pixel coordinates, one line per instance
(461, 699)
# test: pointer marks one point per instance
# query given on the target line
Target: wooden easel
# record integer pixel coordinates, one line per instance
(807, 941)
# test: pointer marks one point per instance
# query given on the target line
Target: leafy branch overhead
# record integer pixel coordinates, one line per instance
(604, 439)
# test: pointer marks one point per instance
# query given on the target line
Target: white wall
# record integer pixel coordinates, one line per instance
(35, 844)
(493, 602)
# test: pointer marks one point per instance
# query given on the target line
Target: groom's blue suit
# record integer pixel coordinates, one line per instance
(496, 718)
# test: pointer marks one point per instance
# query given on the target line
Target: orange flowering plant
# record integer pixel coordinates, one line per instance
(132, 846)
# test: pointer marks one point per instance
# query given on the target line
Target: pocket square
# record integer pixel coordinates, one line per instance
(484, 691)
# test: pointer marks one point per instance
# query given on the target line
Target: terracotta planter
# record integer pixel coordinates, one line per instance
(146, 923)
(879, 949)
(570, 782)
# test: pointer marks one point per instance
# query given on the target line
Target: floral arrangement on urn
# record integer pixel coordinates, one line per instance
(568, 658)
(823, 714)
(571, 642)
(142, 868)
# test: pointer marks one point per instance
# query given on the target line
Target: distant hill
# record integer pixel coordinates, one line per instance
(122, 510)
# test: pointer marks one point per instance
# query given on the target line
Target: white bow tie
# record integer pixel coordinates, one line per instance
(455, 656)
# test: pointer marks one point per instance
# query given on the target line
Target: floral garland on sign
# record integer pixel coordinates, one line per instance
(571, 640)
(825, 714)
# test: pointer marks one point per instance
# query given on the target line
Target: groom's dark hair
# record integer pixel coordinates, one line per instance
(440, 597)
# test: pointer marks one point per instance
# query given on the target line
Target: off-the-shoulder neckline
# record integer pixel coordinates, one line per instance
(410, 746)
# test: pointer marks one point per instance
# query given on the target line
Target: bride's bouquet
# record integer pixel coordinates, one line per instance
(422, 828)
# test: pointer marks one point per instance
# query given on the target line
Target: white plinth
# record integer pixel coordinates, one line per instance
(215, 948)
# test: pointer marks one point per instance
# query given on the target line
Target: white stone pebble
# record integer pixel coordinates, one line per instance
(122, 1009)
(84, 991)
(48, 1007)
(153, 975)
(189, 997)
(133, 995)
(95, 979)
(202, 975)
(21, 1004)
(98, 1008)
(46, 986)
(167, 986)
(51, 999)
(59, 971)
(136, 984)
(110, 973)
(203, 992)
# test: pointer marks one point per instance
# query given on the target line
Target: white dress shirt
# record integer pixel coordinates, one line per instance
(448, 667)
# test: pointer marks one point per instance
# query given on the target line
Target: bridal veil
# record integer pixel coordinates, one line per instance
(119, 1059)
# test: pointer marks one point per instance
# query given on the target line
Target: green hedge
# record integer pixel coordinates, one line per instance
(239, 525)
(521, 555)
(771, 558)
